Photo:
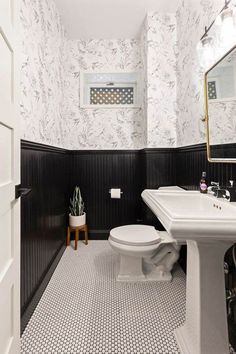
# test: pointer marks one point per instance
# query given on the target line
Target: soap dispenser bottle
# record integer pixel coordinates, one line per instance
(203, 183)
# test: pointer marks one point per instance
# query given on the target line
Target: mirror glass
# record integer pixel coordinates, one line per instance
(221, 104)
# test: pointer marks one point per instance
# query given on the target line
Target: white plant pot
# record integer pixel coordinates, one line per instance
(77, 220)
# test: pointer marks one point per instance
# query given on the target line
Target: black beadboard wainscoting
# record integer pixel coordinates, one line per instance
(96, 172)
(192, 160)
(45, 170)
(52, 173)
(158, 168)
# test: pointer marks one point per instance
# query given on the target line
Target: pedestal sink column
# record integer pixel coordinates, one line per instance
(205, 330)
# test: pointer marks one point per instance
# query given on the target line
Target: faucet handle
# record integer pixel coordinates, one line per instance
(212, 189)
(215, 184)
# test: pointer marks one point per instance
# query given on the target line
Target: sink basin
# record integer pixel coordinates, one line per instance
(192, 215)
(208, 225)
(171, 189)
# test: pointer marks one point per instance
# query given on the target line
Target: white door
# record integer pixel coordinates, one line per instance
(9, 177)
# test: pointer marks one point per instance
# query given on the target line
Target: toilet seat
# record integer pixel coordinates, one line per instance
(135, 235)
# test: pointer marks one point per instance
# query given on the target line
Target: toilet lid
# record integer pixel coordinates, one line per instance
(135, 235)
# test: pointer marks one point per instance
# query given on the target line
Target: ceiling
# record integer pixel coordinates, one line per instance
(108, 19)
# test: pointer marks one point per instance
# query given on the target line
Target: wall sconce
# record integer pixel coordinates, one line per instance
(205, 50)
(227, 33)
(225, 22)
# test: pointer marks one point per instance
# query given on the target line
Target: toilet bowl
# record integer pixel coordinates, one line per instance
(145, 253)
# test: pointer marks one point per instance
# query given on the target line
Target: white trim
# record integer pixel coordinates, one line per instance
(228, 99)
(105, 106)
(110, 71)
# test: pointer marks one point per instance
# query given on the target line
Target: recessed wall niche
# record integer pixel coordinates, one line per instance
(109, 90)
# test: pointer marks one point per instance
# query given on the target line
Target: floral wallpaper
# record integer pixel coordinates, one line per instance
(91, 128)
(51, 64)
(42, 72)
(161, 80)
(191, 20)
(166, 55)
(50, 82)
(143, 72)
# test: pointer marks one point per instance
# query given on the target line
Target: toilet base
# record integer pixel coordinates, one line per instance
(156, 273)
(133, 269)
(130, 269)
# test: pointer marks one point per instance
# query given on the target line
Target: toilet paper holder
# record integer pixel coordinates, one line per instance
(115, 188)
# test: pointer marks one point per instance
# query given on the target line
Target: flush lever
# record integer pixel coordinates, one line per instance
(20, 191)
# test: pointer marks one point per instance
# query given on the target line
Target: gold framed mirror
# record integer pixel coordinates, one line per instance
(220, 109)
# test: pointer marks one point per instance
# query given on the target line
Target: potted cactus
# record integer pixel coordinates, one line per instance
(77, 216)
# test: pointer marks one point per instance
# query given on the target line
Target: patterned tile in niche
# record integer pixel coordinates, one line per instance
(84, 309)
(112, 95)
(212, 93)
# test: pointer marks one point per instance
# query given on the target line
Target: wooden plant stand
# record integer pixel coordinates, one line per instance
(77, 230)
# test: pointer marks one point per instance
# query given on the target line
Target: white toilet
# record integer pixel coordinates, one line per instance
(145, 253)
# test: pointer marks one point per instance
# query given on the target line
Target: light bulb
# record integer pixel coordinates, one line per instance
(208, 56)
(227, 35)
(205, 50)
(218, 21)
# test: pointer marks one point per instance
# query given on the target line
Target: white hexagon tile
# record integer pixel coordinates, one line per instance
(84, 310)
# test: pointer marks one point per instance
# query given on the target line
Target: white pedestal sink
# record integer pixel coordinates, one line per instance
(208, 225)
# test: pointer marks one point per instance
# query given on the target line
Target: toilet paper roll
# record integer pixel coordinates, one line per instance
(115, 193)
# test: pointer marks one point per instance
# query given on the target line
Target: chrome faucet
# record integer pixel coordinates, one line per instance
(214, 186)
(218, 191)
